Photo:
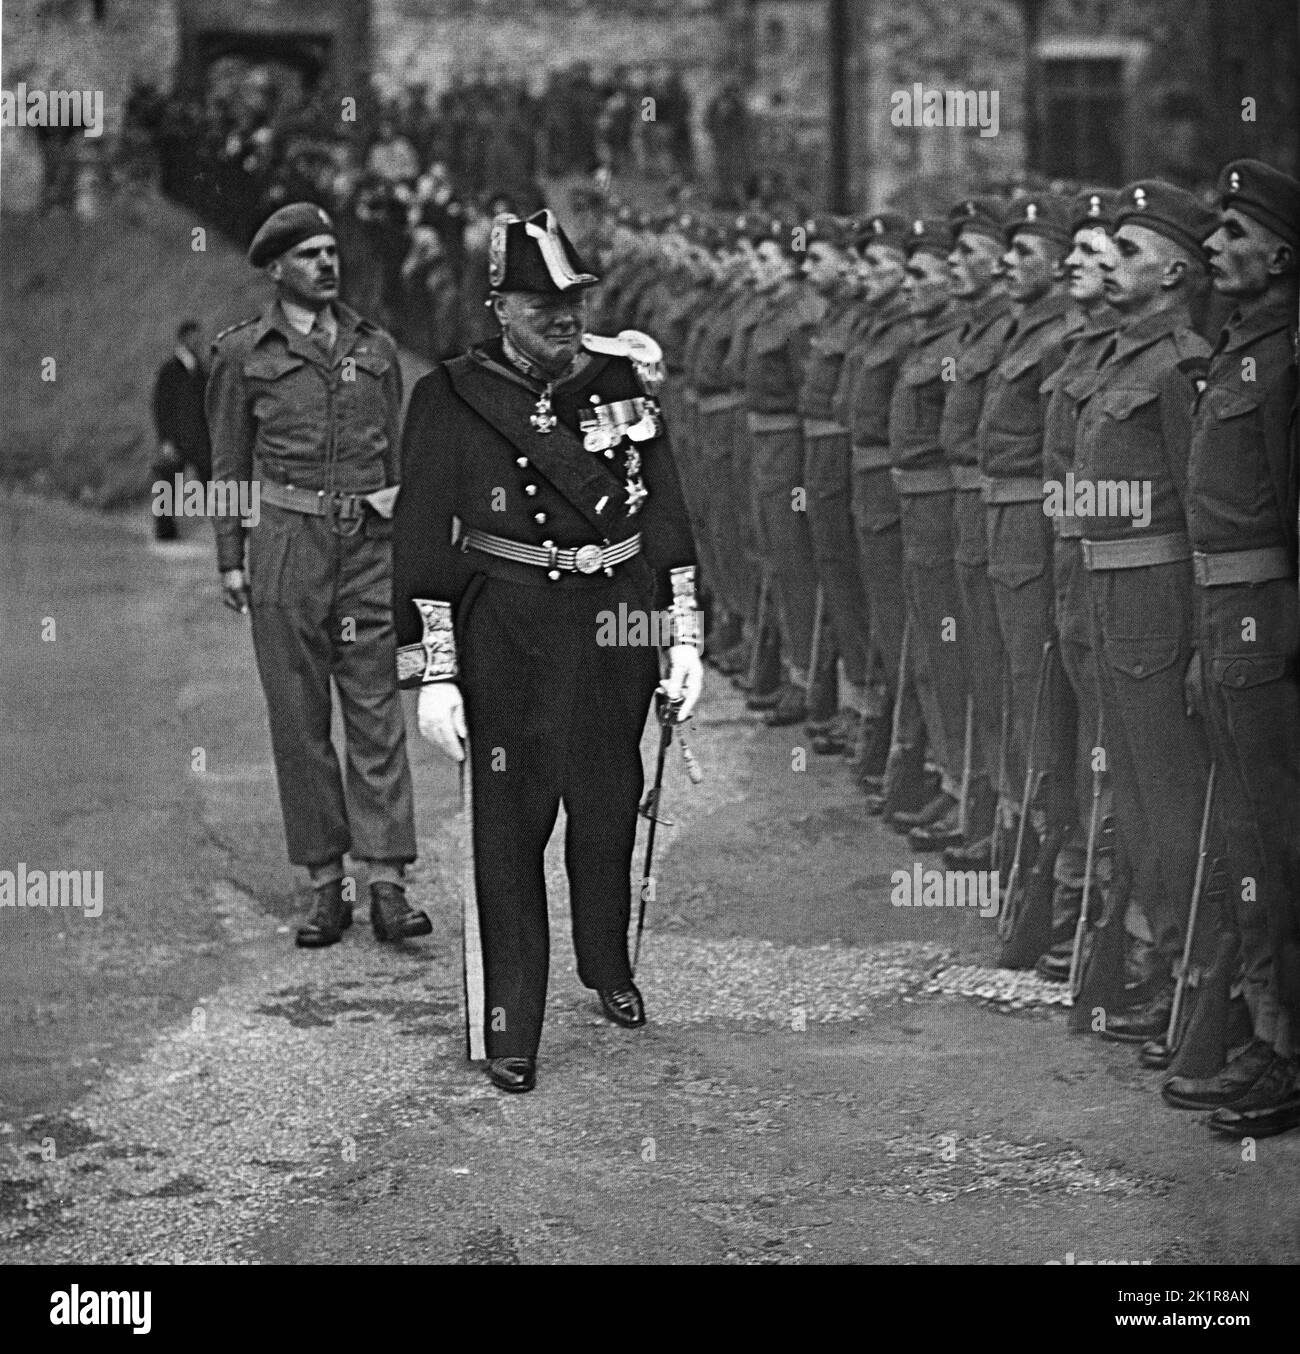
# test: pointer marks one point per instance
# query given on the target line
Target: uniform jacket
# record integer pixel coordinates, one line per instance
(1242, 471)
(778, 349)
(1135, 421)
(1010, 435)
(1085, 347)
(470, 456)
(916, 405)
(871, 367)
(710, 342)
(982, 338)
(281, 410)
(826, 353)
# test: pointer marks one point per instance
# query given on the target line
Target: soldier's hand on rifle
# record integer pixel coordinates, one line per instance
(685, 678)
(234, 590)
(1193, 686)
(441, 714)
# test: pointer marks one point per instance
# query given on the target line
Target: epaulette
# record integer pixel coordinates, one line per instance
(1195, 367)
(239, 324)
(645, 354)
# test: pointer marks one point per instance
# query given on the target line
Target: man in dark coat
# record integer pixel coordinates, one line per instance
(178, 417)
(539, 526)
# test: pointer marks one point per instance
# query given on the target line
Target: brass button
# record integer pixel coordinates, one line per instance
(548, 545)
(539, 518)
(553, 575)
(530, 489)
(521, 461)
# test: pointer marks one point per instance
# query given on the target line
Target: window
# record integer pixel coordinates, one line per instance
(1085, 101)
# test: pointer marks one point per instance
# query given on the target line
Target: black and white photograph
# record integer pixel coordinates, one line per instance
(650, 632)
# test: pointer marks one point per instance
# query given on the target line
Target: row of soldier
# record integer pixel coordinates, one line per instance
(1004, 507)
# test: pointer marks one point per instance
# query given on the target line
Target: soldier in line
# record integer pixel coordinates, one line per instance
(940, 659)
(862, 402)
(179, 419)
(827, 477)
(1134, 425)
(1092, 223)
(1241, 520)
(975, 269)
(538, 494)
(304, 400)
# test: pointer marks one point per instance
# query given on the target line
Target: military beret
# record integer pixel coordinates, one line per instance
(1169, 211)
(286, 227)
(980, 215)
(1094, 207)
(1264, 194)
(928, 235)
(889, 228)
(1043, 214)
(832, 230)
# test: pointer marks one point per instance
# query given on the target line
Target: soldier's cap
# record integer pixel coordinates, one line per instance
(828, 229)
(928, 235)
(1168, 210)
(1046, 215)
(286, 227)
(979, 216)
(534, 255)
(888, 228)
(1094, 207)
(1265, 195)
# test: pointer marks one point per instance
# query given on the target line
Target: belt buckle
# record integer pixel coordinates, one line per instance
(588, 559)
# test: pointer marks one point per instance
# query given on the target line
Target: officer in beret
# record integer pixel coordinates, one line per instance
(1134, 426)
(539, 505)
(1241, 519)
(304, 401)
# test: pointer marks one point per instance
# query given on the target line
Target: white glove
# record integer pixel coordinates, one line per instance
(685, 678)
(441, 714)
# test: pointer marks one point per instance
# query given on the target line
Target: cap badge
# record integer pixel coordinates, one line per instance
(1234, 182)
(1031, 212)
(1094, 205)
(1140, 198)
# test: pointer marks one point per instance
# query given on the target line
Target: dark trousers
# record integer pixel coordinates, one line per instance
(1252, 709)
(553, 718)
(321, 611)
(829, 481)
(1142, 637)
(980, 627)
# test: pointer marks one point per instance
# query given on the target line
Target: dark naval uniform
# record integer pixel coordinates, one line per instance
(317, 428)
(555, 715)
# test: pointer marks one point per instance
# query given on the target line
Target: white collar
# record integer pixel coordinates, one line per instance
(302, 319)
(186, 358)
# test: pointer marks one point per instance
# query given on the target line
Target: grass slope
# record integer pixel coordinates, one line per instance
(102, 299)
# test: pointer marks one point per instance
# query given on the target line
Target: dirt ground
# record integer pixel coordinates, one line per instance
(824, 1077)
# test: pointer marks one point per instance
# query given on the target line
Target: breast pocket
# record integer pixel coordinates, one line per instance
(1232, 455)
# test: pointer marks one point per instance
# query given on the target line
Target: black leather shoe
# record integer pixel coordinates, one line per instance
(905, 820)
(790, 709)
(329, 917)
(513, 1074)
(1228, 1086)
(1156, 1054)
(1273, 1109)
(393, 917)
(623, 1005)
(977, 856)
(940, 835)
(1139, 1023)
(1053, 967)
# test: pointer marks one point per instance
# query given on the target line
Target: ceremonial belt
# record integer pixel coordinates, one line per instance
(313, 502)
(1069, 528)
(932, 480)
(1136, 553)
(1241, 566)
(772, 423)
(583, 559)
(871, 457)
(1018, 489)
(823, 427)
(966, 478)
(713, 404)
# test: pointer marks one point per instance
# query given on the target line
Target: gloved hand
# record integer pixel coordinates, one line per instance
(685, 678)
(1193, 686)
(234, 590)
(442, 718)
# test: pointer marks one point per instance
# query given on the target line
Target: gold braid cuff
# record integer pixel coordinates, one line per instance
(686, 623)
(433, 659)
